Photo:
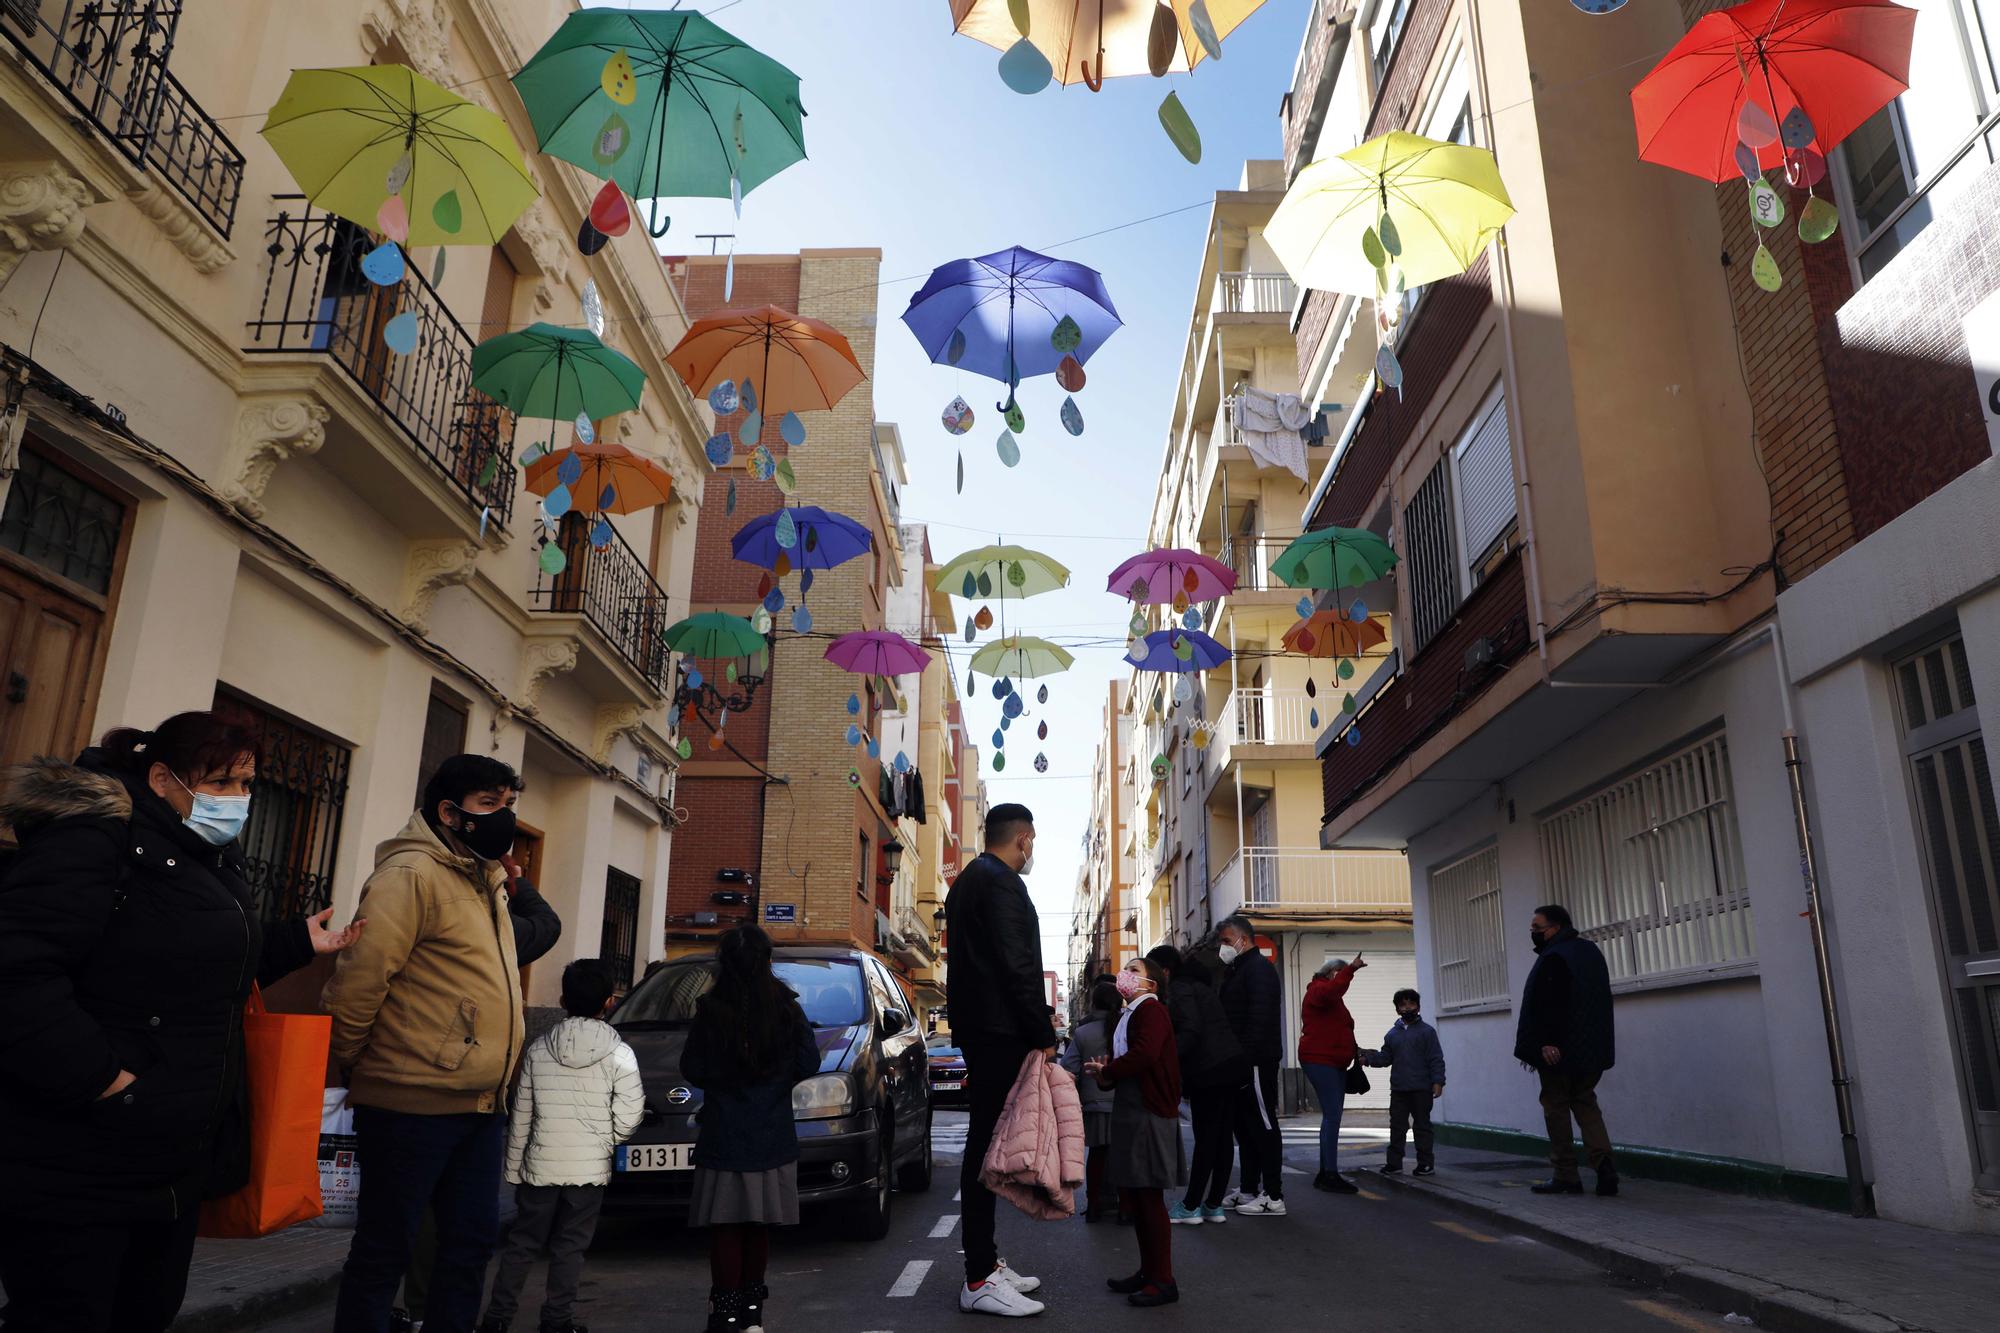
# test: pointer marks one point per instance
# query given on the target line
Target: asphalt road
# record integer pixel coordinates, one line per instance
(1377, 1261)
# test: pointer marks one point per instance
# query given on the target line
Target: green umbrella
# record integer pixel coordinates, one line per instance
(663, 102)
(1334, 558)
(714, 634)
(550, 373)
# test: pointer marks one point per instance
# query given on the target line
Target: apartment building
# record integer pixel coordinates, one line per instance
(222, 490)
(1104, 930)
(1658, 527)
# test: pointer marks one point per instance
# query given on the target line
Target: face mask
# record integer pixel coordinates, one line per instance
(1412, 1017)
(490, 835)
(1027, 865)
(217, 820)
(1535, 938)
(1129, 985)
(1228, 954)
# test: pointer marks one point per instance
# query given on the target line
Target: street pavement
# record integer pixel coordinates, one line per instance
(1382, 1260)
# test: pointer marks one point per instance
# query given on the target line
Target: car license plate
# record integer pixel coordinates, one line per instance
(655, 1157)
(946, 1085)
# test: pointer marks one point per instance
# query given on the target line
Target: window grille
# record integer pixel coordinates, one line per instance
(56, 521)
(297, 803)
(1433, 568)
(1466, 938)
(619, 941)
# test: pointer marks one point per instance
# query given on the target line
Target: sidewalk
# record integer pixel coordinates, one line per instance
(1785, 1265)
(240, 1284)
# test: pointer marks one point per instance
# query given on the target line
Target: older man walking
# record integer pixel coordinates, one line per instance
(1565, 1036)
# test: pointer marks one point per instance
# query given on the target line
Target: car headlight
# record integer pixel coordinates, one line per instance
(823, 1095)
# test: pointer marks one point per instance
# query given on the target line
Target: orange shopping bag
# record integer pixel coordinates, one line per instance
(284, 1068)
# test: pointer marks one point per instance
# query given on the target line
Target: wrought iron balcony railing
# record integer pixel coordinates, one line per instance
(316, 300)
(611, 588)
(108, 58)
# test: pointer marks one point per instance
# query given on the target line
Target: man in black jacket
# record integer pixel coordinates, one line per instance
(995, 994)
(1565, 1036)
(1253, 998)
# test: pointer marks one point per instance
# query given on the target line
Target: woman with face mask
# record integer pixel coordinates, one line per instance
(129, 939)
(1143, 1072)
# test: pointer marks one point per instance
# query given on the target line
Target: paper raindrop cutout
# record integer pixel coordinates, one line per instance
(786, 531)
(1072, 417)
(552, 560)
(1764, 270)
(1204, 29)
(792, 430)
(722, 398)
(1067, 335)
(383, 265)
(1008, 449)
(957, 416)
(720, 449)
(400, 333)
(1024, 69)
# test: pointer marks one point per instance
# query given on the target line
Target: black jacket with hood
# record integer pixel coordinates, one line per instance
(1567, 1004)
(994, 987)
(126, 942)
(1253, 996)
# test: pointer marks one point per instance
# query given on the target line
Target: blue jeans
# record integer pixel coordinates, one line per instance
(449, 1163)
(1330, 1086)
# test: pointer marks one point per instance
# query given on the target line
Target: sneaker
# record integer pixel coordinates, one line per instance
(1018, 1281)
(1183, 1216)
(1215, 1214)
(1428, 1170)
(1155, 1294)
(1557, 1187)
(1262, 1206)
(1125, 1286)
(1333, 1183)
(995, 1297)
(1235, 1199)
(1391, 1168)
(753, 1309)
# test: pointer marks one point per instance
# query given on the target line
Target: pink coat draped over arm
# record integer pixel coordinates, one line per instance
(1036, 1160)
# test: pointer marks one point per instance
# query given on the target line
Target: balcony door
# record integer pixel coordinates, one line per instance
(1261, 871)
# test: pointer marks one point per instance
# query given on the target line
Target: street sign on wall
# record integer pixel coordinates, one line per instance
(781, 913)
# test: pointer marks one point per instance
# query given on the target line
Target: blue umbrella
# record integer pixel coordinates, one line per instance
(806, 535)
(997, 315)
(1160, 654)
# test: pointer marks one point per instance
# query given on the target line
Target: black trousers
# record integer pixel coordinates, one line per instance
(991, 1068)
(1405, 1108)
(1258, 1137)
(111, 1277)
(1208, 1174)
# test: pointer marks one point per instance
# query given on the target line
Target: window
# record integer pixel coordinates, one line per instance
(1960, 830)
(444, 736)
(1651, 868)
(296, 806)
(1433, 568)
(1385, 31)
(57, 522)
(618, 942)
(1448, 112)
(1466, 939)
(861, 869)
(1483, 468)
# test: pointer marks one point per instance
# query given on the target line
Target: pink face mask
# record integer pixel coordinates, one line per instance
(1130, 984)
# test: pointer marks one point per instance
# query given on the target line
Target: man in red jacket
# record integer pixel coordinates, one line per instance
(1326, 1049)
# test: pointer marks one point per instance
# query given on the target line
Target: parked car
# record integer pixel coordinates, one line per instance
(864, 1120)
(948, 1073)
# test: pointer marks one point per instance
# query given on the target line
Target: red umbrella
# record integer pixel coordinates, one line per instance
(876, 652)
(1836, 61)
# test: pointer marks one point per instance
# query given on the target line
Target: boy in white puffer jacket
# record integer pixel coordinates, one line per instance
(580, 1097)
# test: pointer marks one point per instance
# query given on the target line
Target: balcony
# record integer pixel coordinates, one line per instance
(1255, 294)
(1266, 717)
(609, 589)
(1307, 880)
(910, 940)
(316, 301)
(108, 59)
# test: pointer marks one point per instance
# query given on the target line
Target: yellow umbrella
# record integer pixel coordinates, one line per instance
(1443, 203)
(1022, 656)
(1087, 41)
(1004, 571)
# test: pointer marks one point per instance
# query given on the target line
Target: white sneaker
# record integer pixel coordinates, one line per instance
(1235, 1199)
(997, 1297)
(1262, 1206)
(1020, 1282)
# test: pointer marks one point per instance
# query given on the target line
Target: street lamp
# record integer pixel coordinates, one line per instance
(892, 856)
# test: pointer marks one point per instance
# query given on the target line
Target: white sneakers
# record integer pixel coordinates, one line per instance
(1235, 1199)
(1020, 1282)
(998, 1296)
(1261, 1206)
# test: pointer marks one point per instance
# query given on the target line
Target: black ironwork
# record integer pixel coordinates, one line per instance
(296, 806)
(109, 58)
(708, 697)
(317, 300)
(610, 587)
(619, 943)
(56, 521)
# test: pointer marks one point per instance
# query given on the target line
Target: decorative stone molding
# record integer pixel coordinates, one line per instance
(613, 721)
(41, 208)
(269, 431)
(549, 250)
(419, 29)
(432, 567)
(542, 658)
(179, 224)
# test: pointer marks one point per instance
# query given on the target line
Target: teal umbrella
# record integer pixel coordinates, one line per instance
(714, 634)
(551, 373)
(1334, 558)
(665, 103)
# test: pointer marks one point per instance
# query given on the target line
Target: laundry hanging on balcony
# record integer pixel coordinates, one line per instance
(1273, 428)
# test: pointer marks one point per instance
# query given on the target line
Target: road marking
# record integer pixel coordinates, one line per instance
(1366, 1195)
(943, 1226)
(954, 1196)
(1459, 1229)
(1292, 1170)
(1679, 1318)
(912, 1278)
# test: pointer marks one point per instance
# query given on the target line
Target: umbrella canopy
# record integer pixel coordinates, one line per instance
(1837, 62)
(714, 634)
(1163, 648)
(997, 315)
(665, 103)
(551, 373)
(1444, 202)
(1000, 566)
(1021, 656)
(632, 481)
(797, 364)
(1088, 42)
(1334, 558)
(1332, 634)
(354, 138)
(820, 539)
(1160, 576)
(876, 652)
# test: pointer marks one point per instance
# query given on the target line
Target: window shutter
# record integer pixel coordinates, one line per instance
(1486, 481)
(1433, 569)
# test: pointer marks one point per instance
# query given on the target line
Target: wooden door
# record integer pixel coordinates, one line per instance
(48, 658)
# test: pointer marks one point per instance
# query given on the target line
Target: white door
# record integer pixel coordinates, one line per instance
(1371, 1000)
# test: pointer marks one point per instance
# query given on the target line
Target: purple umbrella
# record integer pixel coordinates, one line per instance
(1159, 576)
(820, 539)
(1160, 654)
(876, 652)
(997, 315)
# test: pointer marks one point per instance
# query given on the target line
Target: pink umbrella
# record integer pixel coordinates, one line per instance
(876, 652)
(1158, 576)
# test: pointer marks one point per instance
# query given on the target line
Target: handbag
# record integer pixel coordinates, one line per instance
(284, 1075)
(1356, 1078)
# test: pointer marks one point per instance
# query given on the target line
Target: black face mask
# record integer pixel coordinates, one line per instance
(490, 835)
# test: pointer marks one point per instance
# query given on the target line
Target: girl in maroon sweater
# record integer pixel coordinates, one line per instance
(1144, 1075)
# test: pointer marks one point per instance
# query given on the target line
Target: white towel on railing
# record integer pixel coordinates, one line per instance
(1270, 423)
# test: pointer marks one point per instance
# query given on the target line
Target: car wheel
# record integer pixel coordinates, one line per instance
(915, 1177)
(869, 1214)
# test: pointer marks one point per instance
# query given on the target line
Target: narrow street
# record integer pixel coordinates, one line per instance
(1377, 1261)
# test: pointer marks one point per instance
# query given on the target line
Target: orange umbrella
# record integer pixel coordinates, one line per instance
(797, 364)
(1332, 634)
(634, 481)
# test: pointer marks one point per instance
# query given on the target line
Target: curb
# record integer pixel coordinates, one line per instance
(1717, 1289)
(254, 1309)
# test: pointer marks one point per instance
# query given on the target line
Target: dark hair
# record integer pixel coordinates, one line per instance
(1407, 994)
(586, 985)
(194, 746)
(1555, 914)
(1166, 955)
(1104, 996)
(1000, 822)
(750, 1005)
(460, 776)
(1238, 922)
(1154, 972)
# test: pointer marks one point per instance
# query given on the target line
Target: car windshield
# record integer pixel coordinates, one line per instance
(829, 989)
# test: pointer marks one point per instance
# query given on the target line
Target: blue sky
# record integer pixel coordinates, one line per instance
(917, 147)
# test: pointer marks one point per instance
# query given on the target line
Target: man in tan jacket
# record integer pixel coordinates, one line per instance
(427, 1028)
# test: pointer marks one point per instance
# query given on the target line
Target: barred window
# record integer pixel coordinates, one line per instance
(1466, 940)
(59, 522)
(1651, 867)
(1432, 564)
(618, 943)
(296, 805)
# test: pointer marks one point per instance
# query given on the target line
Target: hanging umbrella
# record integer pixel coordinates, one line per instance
(1444, 202)
(1163, 650)
(1780, 77)
(1334, 558)
(1087, 41)
(551, 373)
(797, 364)
(632, 482)
(714, 634)
(998, 315)
(999, 567)
(876, 652)
(819, 539)
(355, 138)
(1021, 657)
(665, 103)
(1163, 575)
(1334, 634)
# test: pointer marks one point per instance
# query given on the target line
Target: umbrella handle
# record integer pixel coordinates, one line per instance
(653, 218)
(1094, 82)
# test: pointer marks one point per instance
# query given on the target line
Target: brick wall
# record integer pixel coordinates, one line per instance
(724, 830)
(1322, 25)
